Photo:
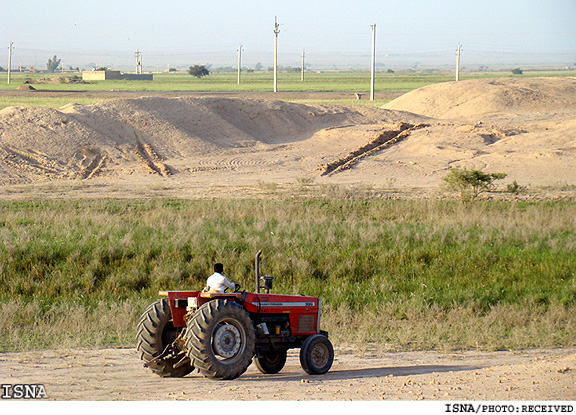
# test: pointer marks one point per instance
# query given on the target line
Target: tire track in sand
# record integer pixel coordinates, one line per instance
(151, 160)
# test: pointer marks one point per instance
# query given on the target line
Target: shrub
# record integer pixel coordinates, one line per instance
(515, 188)
(471, 183)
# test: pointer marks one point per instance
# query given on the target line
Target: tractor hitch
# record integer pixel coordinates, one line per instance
(171, 351)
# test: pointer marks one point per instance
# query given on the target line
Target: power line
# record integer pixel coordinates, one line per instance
(10, 47)
(373, 66)
(239, 62)
(138, 56)
(302, 75)
(458, 62)
(276, 31)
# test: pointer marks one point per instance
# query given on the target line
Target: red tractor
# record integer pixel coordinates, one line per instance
(220, 333)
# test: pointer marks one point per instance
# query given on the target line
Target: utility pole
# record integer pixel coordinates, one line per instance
(138, 56)
(373, 69)
(239, 62)
(458, 62)
(10, 47)
(276, 31)
(303, 54)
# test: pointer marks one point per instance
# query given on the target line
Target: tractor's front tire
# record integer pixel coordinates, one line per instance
(156, 331)
(316, 355)
(220, 339)
(271, 362)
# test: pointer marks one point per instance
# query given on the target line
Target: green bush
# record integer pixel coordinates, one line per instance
(515, 188)
(471, 183)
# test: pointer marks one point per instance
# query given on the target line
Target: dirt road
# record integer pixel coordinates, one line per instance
(117, 374)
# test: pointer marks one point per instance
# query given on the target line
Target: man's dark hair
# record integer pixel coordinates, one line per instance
(218, 268)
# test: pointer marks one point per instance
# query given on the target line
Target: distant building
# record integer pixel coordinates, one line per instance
(100, 75)
(114, 75)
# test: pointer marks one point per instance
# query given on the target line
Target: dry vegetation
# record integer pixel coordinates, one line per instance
(397, 274)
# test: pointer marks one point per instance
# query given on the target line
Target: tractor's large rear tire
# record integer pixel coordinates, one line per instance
(220, 339)
(155, 332)
(271, 362)
(316, 355)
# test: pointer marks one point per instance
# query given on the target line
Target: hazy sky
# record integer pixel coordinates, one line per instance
(187, 32)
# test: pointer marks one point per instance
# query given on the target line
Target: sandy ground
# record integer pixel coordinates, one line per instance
(220, 144)
(117, 374)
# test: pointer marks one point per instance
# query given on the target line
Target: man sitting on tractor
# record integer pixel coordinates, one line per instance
(217, 282)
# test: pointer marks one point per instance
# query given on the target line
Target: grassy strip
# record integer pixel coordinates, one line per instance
(251, 82)
(403, 274)
(46, 102)
(227, 82)
(263, 82)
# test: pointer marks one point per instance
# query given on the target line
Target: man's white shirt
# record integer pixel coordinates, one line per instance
(219, 282)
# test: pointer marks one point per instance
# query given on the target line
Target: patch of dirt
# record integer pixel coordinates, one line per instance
(523, 127)
(57, 80)
(117, 374)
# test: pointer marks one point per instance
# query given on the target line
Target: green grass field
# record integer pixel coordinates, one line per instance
(400, 275)
(251, 82)
(227, 82)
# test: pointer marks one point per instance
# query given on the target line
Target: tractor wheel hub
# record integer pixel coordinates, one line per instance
(226, 341)
(320, 355)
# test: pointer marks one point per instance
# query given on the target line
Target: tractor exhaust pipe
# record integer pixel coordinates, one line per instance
(257, 270)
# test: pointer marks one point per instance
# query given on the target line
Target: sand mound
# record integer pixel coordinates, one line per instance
(522, 127)
(483, 96)
(122, 136)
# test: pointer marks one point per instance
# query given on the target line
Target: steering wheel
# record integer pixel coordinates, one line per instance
(237, 287)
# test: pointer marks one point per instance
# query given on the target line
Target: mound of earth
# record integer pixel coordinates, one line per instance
(525, 128)
(483, 96)
(165, 136)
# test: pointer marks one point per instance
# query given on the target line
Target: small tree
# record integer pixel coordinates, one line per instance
(198, 71)
(515, 188)
(517, 71)
(53, 64)
(471, 183)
